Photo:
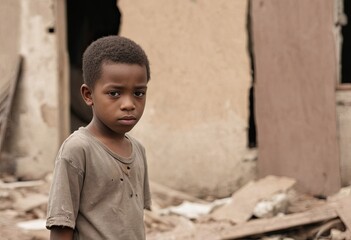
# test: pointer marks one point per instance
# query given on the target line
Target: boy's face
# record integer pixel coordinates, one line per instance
(118, 97)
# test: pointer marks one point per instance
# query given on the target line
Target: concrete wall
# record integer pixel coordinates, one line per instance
(34, 131)
(195, 123)
(9, 35)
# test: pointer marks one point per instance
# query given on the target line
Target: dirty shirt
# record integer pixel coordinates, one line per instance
(96, 192)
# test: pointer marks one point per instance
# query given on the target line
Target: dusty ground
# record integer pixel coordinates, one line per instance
(26, 201)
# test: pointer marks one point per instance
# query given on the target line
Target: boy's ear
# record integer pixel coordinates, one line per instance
(87, 95)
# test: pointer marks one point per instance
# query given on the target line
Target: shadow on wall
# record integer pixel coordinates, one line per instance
(252, 135)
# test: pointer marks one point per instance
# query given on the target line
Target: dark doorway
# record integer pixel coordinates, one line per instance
(346, 45)
(87, 20)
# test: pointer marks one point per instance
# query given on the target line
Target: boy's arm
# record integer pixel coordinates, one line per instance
(61, 233)
(64, 200)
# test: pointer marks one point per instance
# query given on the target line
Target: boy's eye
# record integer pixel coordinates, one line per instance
(113, 94)
(139, 94)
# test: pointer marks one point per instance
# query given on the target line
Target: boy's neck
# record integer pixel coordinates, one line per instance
(104, 133)
(117, 143)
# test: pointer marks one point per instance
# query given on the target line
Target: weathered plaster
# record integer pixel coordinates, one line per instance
(34, 129)
(9, 35)
(9, 42)
(195, 124)
(48, 114)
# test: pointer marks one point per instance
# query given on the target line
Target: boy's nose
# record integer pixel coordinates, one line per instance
(127, 104)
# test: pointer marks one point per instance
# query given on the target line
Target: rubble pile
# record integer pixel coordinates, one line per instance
(269, 208)
(23, 208)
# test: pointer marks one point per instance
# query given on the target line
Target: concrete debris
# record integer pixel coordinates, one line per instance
(184, 230)
(269, 208)
(35, 229)
(156, 222)
(166, 196)
(37, 224)
(194, 210)
(245, 199)
(30, 202)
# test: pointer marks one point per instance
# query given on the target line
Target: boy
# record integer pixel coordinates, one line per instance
(100, 185)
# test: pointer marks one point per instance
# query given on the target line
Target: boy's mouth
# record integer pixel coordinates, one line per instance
(127, 120)
(129, 117)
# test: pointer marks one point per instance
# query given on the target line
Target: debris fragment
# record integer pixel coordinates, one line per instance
(244, 201)
(260, 226)
(37, 224)
(21, 184)
(272, 207)
(30, 202)
(181, 216)
(194, 210)
(171, 197)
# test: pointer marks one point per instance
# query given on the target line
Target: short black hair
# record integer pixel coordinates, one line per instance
(115, 49)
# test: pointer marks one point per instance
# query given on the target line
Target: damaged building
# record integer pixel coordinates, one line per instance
(239, 89)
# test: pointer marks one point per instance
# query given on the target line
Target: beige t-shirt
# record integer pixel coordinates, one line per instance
(98, 193)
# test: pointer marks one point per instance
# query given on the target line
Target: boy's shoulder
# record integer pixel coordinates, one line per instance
(76, 144)
(136, 143)
(79, 136)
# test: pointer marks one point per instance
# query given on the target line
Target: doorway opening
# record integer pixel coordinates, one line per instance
(87, 20)
(346, 45)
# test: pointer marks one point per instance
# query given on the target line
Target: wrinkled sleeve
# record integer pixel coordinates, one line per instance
(64, 194)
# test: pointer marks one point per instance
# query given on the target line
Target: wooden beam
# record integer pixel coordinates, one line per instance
(260, 226)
